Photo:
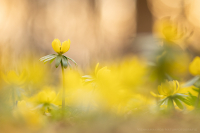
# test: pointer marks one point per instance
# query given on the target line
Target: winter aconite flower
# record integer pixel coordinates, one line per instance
(45, 99)
(14, 86)
(168, 88)
(194, 67)
(59, 58)
(46, 96)
(33, 118)
(60, 49)
(168, 91)
(99, 74)
(170, 30)
(12, 78)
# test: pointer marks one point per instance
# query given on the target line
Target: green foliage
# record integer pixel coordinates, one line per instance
(47, 58)
(58, 59)
(178, 103)
(178, 99)
(191, 82)
(64, 62)
(71, 60)
(193, 100)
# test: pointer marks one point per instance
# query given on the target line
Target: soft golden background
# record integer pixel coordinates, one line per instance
(98, 29)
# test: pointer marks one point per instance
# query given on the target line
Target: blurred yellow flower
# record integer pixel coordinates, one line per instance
(73, 81)
(45, 100)
(168, 30)
(130, 72)
(60, 49)
(101, 72)
(12, 78)
(99, 76)
(168, 88)
(21, 105)
(194, 67)
(46, 96)
(31, 118)
(190, 89)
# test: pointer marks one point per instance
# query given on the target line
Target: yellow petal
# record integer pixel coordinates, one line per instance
(51, 96)
(177, 86)
(102, 72)
(155, 95)
(194, 67)
(21, 104)
(168, 88)
(160, 90)
(3, 76)
(65, 46)
(42, 97)
(171, 87)
(56, 44)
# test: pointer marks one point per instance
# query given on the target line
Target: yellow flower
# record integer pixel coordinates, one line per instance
(190, 89)
(12, 78)
(100, 75)
(60, 49)
(194, 67)
(168, 88)
(101, 72)
(169, 30)
(31, 118)
(22, 105)
(46, 96)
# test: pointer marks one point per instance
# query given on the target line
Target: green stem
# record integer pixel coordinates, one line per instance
(63, 94)
(171, 104)
(197, 102)
(173, 107)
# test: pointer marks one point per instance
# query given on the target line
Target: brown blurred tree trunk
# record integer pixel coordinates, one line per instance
(144, 44)
(144, 21)
(144, 17)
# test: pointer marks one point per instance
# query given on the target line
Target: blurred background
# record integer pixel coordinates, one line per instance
(98, 29)
(123, 34)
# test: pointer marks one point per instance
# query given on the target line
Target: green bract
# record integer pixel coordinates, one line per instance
(59, 59)
(178, 99)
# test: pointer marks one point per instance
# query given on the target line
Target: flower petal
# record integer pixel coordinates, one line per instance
(56, 44)
(160, 90)
(65, 46)
(177, 86)
(156, 95)
(102, 72)
(194, 66)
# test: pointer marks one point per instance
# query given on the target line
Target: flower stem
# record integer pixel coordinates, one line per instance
(171, 104)
(197, 101)
(63, 94)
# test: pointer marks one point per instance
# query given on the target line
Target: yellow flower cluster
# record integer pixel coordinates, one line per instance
(34, 94)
